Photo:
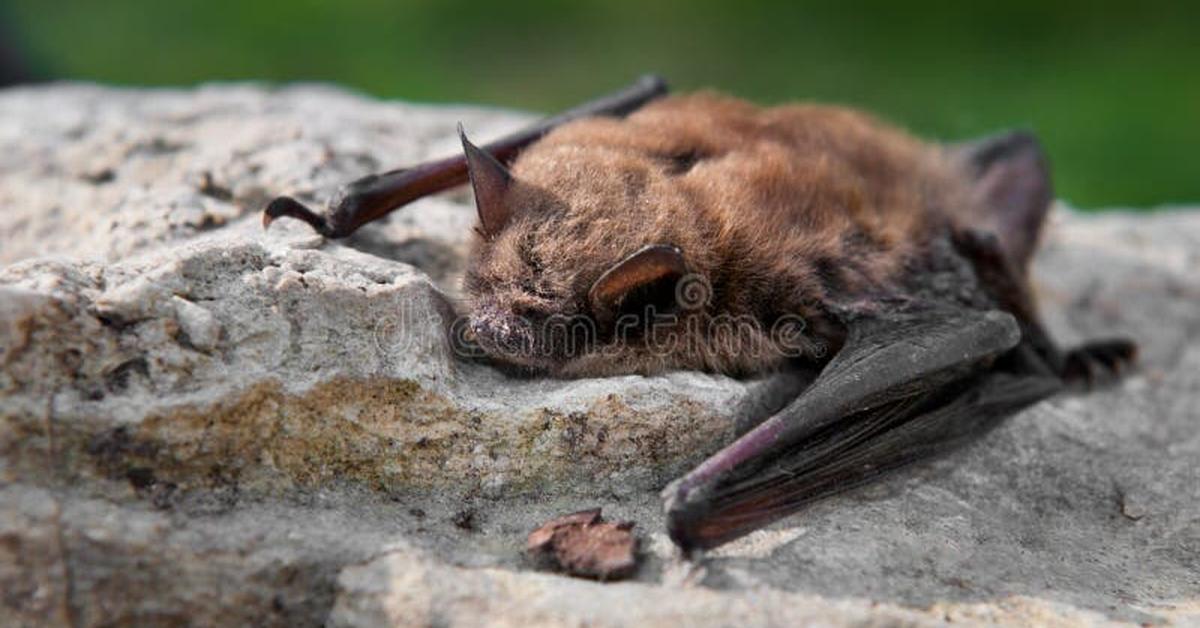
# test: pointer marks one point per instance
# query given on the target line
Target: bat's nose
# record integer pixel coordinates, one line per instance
(501, 333)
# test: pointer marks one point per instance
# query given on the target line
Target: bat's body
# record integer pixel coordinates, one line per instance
(702, 232)
(779, 211)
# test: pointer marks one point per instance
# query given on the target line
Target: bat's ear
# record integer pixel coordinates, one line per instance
(639, 275)
(1011, 185)
(490, 181)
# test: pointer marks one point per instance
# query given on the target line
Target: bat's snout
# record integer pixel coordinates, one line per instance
(503, 335)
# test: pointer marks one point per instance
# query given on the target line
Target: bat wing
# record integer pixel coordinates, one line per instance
(376, 195)
(906, 385)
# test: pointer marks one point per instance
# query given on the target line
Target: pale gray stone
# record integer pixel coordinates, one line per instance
(200, 421)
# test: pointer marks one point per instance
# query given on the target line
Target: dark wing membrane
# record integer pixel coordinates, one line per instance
(907, 385)
(855, 450)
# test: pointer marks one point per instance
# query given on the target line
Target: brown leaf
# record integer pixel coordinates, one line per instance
(583, 544)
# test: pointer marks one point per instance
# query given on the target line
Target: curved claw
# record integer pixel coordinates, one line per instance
(1099, 363)
(290, 207)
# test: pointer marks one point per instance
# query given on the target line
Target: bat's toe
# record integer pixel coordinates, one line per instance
(1100, 363)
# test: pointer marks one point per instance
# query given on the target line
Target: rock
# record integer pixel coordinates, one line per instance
(203, 422)
(404, 588)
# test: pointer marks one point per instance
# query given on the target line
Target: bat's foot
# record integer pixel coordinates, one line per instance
(1100, 363)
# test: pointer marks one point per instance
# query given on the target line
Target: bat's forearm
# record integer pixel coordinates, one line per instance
(374, 196)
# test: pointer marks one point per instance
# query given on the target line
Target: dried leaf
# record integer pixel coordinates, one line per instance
(583, 544)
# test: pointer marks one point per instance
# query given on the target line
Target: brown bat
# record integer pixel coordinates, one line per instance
(640, 234)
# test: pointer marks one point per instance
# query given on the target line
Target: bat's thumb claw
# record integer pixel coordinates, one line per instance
(290, 207)
(680, 508)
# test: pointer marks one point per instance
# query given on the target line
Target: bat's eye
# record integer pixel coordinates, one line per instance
(537, 291)
(528, 312)
(529, 256)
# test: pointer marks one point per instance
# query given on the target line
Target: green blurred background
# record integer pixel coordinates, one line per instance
(1114, 93)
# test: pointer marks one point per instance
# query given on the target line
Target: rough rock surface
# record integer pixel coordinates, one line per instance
(202, 421)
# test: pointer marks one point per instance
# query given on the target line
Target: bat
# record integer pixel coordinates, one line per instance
(645, 232)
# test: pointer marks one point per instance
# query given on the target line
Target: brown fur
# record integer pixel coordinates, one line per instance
(780, 209)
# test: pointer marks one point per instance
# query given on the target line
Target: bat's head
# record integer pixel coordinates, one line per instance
(587, 261)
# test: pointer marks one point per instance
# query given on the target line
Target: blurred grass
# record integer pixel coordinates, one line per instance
(1113, 93)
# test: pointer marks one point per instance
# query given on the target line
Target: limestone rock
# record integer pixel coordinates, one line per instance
(202, 421)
